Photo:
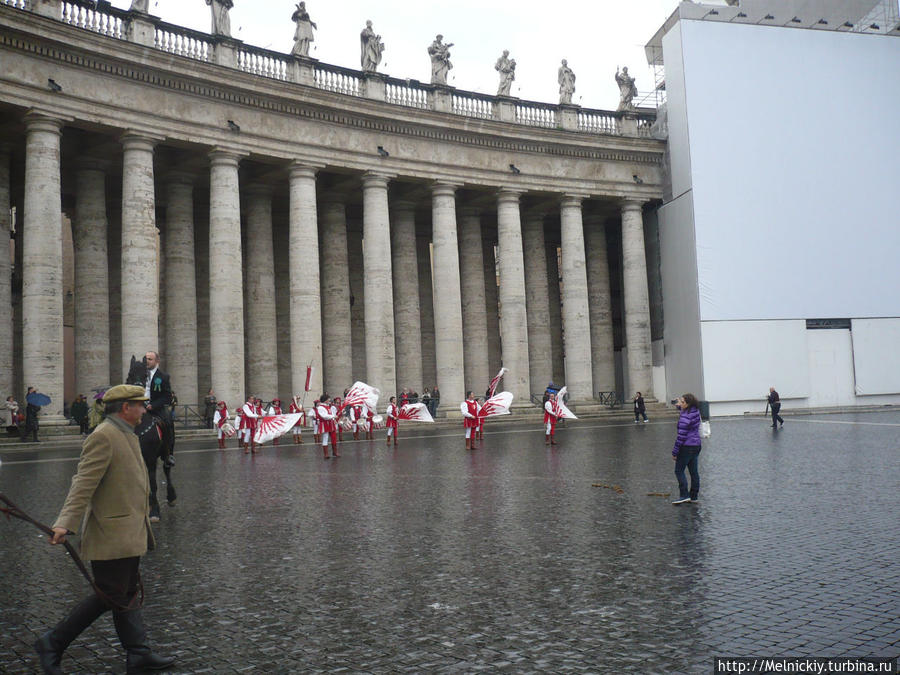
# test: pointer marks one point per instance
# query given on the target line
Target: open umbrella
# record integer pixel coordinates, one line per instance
(38, 399)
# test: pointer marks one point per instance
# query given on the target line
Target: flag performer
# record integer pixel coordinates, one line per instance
(355, 418)
(220, 419)
(392, 412)
(559, 411)
(491, 390)
(296, 407)
(551, 415)
(326, 424)
(248, 424)
(315, 421)
(470, 410)
(370, 424)
(275, 409)
(337, 434)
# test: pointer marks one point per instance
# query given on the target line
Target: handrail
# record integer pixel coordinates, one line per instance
(99, 16)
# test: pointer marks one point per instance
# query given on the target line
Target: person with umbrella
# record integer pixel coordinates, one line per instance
(34, 401)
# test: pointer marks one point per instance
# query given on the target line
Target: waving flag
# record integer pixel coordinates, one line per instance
(309, 371)
(415, 412)
(498, 404)
(561, 410)
(273, 426)
(361, 394)
(496, 380)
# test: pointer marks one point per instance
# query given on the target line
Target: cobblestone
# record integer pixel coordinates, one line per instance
(426, 558)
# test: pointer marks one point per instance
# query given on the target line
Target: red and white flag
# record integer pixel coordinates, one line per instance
(309, 372)
(498, 404)
(361, 394)
(415, 412)
(493, 387)
(273, 426)
(562, 411)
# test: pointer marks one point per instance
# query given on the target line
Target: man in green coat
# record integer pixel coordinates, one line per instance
(108, 504)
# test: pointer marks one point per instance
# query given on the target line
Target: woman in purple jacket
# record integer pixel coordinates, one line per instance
(687, 448)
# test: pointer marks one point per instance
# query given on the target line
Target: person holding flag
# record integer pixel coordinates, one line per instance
(275, 409)
(392, 412)
(338, 434)
(470, 409)
(248, 424)
(551, 415)
(326, 423)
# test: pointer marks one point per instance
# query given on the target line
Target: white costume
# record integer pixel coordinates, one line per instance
(323, 415)
(219, 421)
(466, 407)
(248, 410)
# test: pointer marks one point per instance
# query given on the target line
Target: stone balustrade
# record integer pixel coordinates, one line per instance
(106, 20)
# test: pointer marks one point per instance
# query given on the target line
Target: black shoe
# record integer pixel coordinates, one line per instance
(51, 645)
(49, 656)
(772, 427)
(130, 629)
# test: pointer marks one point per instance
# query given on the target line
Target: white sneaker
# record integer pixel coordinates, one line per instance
(646, 420)
(682, 500)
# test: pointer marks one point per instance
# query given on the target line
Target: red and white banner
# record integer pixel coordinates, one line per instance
(493, 387)
(498, 404)
(378, 422)
(562, 412)
(361, 394)
(309, 371)
(415, 412)
(273, 426)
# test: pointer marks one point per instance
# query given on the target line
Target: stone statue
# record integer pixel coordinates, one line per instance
(627, 90)
(140, 6)
(370, 49)
(221, 23)
(303, 35)
(440, 60)
(507, 69)
(566, 79)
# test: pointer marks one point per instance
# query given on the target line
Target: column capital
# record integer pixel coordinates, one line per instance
(371, 179)
(137, 140)
(632, 203)
(444, 189)
(220, 156)
(508, 195)
(572, 200)
(37, 120)
(301, 169)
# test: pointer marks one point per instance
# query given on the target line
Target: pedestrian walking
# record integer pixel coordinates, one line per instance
(775, 407)
(31, 418)
(80, 413)
(687, 448)
(108, 504)
(435, 401)
(210, 409)
(640, 409)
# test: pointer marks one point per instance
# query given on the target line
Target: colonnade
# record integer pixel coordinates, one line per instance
(393, 302)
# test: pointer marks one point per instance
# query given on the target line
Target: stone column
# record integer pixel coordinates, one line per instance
(555, 303)
(491, 296)
(358, 305)
(262, 356)
(283, 308)
(426, 311)
(337, 332)
(474, 307)
(407, 318)
(579, 373)
(140, 250)
(114, 258)
(513, 315)
(600, 305)
(226, 302)
(6, 315)
(306, 299)
(380, 366)
(181, 288)
(537, 302)
(201, 256)
(448, 342)
(42, 299)
(637, 300)
(89, 234)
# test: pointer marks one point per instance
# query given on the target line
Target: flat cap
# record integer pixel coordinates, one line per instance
(124, 392)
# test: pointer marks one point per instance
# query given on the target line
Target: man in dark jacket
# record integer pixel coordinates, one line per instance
(31, 418)
(775, 405)
(158, 389)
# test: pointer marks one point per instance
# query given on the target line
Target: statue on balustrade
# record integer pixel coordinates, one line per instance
(507, 69)
(303, 35)
(221, 22)
(370, 49)
(566, 79)
(627, 90)
(140, 6)
(440, 60)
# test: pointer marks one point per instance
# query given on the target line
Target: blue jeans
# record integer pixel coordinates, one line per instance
(687, 457)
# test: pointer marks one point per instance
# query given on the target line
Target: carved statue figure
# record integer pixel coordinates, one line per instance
(140, 6)
(221, 22)
(303, 35)
(507, 69)
(566, 79)
(370, 49)
(627, 90)
(440, 60)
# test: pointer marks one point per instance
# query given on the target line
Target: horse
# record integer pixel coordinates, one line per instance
(154, 444)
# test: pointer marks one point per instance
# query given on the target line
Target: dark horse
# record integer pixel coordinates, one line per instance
(154, 446)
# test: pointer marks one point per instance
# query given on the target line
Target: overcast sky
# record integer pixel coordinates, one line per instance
(594, 36)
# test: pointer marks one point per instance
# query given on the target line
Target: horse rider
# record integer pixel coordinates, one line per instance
(158, 389)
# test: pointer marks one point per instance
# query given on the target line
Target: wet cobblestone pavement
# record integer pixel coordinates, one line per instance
(427, 558)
